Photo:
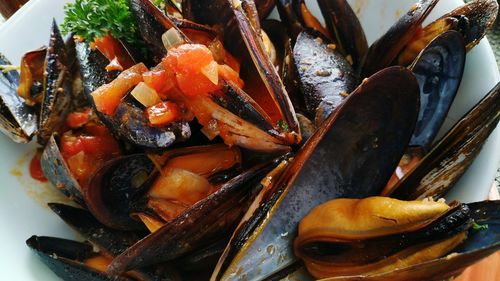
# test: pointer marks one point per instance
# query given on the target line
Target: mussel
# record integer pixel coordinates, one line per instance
(201, 223)
(17, 119)
(379, 237)
(443, 166)
(326, 78)
(257, 206)
(406, 38)
(72, 260)
(326, 71)
(56, 100)
(56, 169)
(263, 245)
(439, 70)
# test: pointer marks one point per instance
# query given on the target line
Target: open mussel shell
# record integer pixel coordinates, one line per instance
(66, 258)
(31, 79)
(129, 122)
(284, 61)
(479, 17)
(111, 240)
(56, 170)
(149, 30)
(478, 245)
(343, 23)
(152, 23)
(247, 23)
(202, 223)
(248, 123)
(361, 143)
(58, 86)
(472, 20)
(378, 234)
(72, 260)
(92, 68)
(207, 12)
(325, 76)
(114, 186)
(453, 154)
(217, 11)
(18, 121)
(385, 50)
(439, 69)
(289, 18)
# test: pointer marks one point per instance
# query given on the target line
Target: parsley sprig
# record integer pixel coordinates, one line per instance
(476, 226)
(92, 19)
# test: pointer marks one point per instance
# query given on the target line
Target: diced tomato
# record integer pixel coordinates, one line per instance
(78, 119)
(108, 97)
(187, 61)
(163, 113)
(114, 50)
(191, 57)
(97, 130)
(85, 153)
(70, 145)
(36, 168)
(228, 74)
(161, 80)
(195, 84)
(100, 146)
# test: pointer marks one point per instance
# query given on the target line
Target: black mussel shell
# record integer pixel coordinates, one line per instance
(325, 76)
(17, 120)
(56, 101)
(114, 187)
(439, 70)
(56, 170)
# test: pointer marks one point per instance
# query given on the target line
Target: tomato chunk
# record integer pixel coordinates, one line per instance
(229, 74)
(84, 153)
(70, 145)
(108, 97)
(163, 113)
(188, 61)
(104, 147)
(113, 49)
(161, 80)
(36, 168)
(78, 119)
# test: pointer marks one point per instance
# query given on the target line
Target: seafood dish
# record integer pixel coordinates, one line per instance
(202, 140)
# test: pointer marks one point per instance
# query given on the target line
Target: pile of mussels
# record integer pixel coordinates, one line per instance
(254, 187)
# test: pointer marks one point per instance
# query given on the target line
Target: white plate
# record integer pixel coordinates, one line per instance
(23, 210)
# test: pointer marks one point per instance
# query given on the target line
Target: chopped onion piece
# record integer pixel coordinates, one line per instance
(171, 38)
(211, 72)
(180, 185)
(146, 95)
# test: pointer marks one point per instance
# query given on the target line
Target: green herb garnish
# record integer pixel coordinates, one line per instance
(283, 126)
(92, 19)
(478, 227)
